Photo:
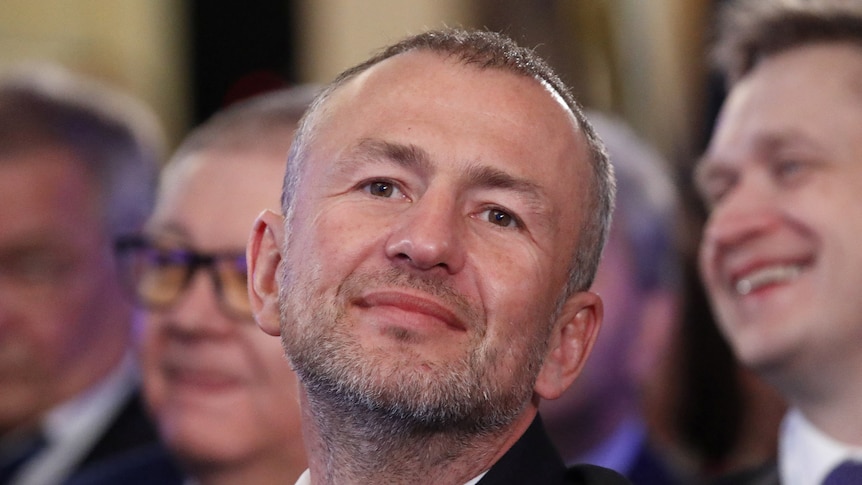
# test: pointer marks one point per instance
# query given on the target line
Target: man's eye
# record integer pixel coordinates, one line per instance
(37, 269)
(382, 188)
(714, 190)
(787, 169)
(501, 218)
(166, 257)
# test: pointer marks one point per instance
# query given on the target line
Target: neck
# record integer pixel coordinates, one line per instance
(829, 396)
(259, 472)
(838, 418)
(363, 447)
(277, 463)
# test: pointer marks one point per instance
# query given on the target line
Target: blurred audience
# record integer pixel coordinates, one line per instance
(779, 260)
(600, 419)
(78, 165)
(222, 393)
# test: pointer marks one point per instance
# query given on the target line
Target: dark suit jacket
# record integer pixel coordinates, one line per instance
(763, 475)
(533, 460)
(650, 469)
(131, 431)
(151, 465)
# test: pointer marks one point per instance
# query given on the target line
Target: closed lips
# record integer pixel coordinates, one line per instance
(411, 303)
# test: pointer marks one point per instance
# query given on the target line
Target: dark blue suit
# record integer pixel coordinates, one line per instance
(533, 460)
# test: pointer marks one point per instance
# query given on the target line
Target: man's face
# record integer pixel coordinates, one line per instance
(780, 254)
(59, 297)
(434, 225)
(220, 387)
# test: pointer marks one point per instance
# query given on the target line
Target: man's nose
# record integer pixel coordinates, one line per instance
(429, 234)
(750, 210)
(197, 310)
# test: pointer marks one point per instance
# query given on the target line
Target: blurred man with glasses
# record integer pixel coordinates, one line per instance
(221, 391)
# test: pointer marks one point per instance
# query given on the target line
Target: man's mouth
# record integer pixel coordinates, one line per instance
(412, 303)
(766, 276)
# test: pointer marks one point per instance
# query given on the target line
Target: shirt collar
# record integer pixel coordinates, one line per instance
(806, 454)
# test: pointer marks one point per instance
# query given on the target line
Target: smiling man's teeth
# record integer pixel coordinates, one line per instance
(766, 276)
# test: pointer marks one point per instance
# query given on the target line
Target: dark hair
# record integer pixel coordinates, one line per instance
(114, 136)
(751, 30)
(489, 50)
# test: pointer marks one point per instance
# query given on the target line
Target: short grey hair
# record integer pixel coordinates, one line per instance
(259, 121)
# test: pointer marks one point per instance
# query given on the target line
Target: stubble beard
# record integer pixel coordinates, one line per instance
(383, 397)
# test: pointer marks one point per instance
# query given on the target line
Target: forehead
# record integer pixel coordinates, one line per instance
(46, 186)
(806, 95)
(213, 196)
(422, 76)
(455, 112)
(47, 197)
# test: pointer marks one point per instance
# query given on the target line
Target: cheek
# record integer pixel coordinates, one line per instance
(59, 333)
(336, 240)
(150, 351)
(517, 296)
(705, 258)
(269, 368)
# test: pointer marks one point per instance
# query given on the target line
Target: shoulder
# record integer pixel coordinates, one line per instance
(131, 429)
(592, 474)
(766, 474)
(145, 465)
(534, 460)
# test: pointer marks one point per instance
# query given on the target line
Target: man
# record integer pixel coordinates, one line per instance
(780, 256)
(78, 164)
(445, 207)
(224, 398)
(600, 418)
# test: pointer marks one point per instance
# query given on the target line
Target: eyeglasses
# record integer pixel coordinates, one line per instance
(159, 275)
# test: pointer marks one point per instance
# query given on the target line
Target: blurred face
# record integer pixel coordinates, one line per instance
(59, 295)
(221, 389)
(780, 254)
(435, 221)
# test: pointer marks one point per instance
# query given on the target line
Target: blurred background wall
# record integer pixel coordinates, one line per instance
(640, 60)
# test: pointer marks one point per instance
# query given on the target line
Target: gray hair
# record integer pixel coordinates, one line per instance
(488, 50)
(261, 121)
(116, 137)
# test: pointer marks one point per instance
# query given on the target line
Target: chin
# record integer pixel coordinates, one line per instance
(213, 446)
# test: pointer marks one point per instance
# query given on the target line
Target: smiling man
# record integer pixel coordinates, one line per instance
(780, 254)
(445, 209)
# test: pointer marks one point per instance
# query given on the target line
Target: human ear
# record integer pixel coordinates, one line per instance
(572, 338)
(263, 256)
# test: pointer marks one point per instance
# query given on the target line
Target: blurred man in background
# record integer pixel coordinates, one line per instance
(780, 253)
(78, 165)
(601, 418)
(220, 389)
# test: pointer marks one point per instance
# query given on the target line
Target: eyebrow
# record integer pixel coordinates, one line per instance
(407, 156)
(413, 157)
(765, 146)
(169, 228)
